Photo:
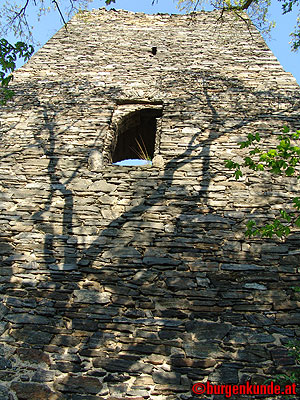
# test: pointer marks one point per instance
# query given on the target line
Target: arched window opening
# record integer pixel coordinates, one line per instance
(136, 135)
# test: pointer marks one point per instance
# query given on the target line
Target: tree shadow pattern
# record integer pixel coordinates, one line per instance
(136, 283)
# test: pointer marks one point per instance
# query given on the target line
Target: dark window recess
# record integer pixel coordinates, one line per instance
(136, 135)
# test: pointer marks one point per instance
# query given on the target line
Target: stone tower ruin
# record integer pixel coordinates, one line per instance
(136, 282)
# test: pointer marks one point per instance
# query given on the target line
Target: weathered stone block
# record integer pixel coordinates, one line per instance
(203, 330)
(166, 378)
(192, 363)
(42, 376)
(122, 365)
(123, 252)
(79, 384)
(225, 375)
(288, 319)
(255, 286)
(253, 353)
(95, 160)
(33, 391)
(261, 338)
(33, 355)
(28, 319)
(91, 297)
(4, 393)
(281, 356)
(207, 349)
(102, 186)
(160, 261)
(26, 335)
(3, 311)
(5, 363)
(241, 267)
(239, 335)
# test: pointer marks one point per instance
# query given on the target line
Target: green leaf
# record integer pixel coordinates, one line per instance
(238, 173)
(255, 151)
(289, 171)
(285, 215)
(297, 222)
(286, 129)
(8, 56)
(296, 202)
(251, 228)
(230, 164)
(250, 224)
(264, 157)
(296, 135)
(272, 153)
(243, 145)
(276, 170)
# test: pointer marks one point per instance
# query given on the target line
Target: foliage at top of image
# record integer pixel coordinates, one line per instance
(257, 11)
(14, 16)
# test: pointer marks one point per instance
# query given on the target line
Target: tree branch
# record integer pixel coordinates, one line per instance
(61, 15)
(21, 12)
(247, 4)
(196, 5)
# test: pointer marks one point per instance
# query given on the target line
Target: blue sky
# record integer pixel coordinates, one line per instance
(279, 42)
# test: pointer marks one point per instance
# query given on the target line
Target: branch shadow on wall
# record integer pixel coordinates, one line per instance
(144, 308)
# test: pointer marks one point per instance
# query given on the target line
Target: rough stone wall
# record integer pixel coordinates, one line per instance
(136, 282)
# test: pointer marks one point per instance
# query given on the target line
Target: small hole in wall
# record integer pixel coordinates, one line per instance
(136, 137)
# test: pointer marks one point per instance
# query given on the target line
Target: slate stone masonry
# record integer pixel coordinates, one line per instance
(136, 282)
